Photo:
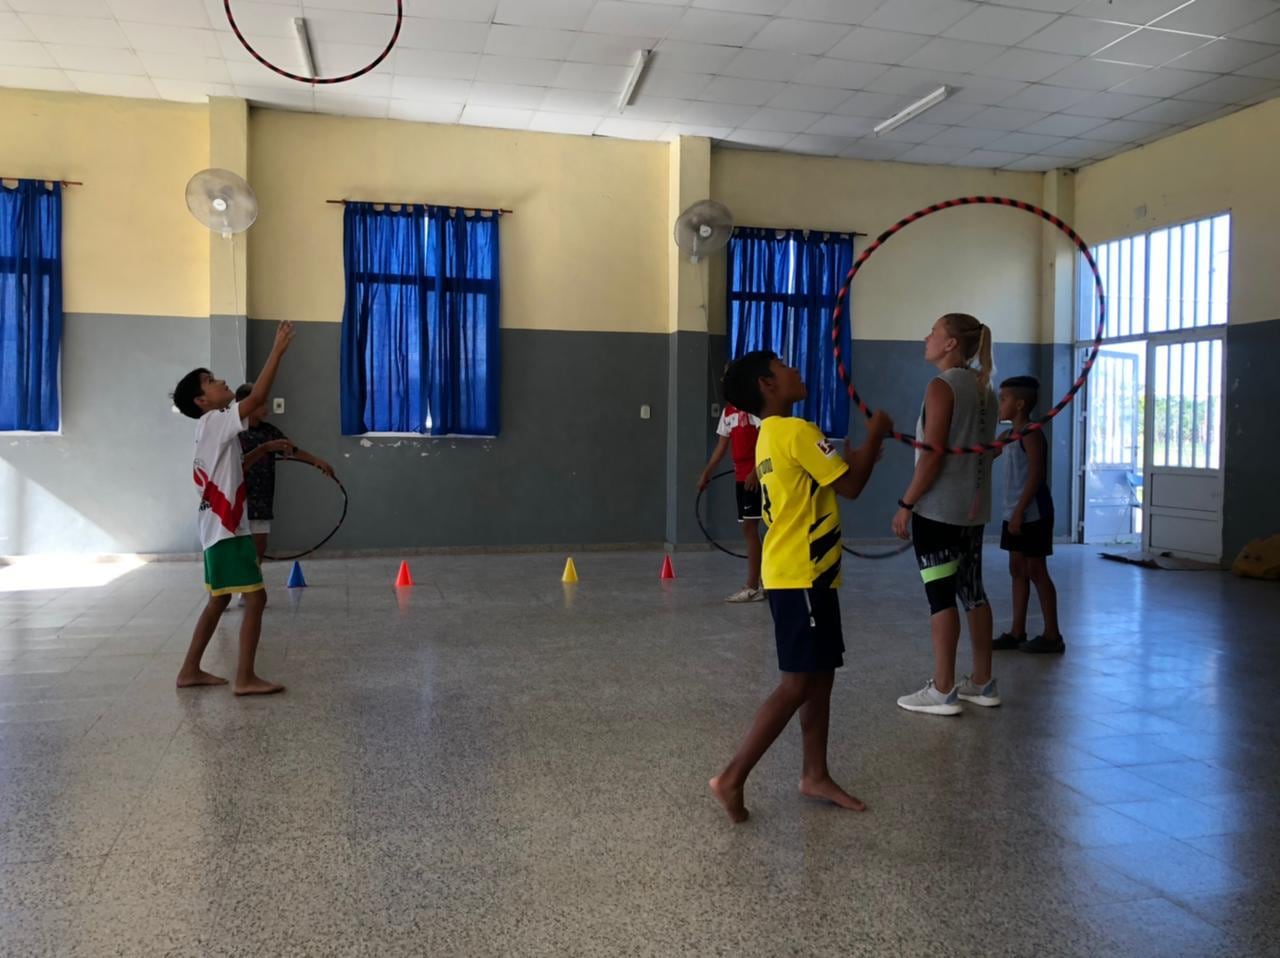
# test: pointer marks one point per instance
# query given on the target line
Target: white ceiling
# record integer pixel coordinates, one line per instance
(1039, 83)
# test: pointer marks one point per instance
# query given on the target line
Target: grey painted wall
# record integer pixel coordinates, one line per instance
(118, 478)
(1251, 507)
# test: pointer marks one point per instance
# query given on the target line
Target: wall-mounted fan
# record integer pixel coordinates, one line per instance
(222, 201)
(703, 228)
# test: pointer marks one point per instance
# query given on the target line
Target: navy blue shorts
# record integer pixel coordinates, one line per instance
(806, 626)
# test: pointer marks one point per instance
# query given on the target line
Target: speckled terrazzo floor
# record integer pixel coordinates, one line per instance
(488, 765)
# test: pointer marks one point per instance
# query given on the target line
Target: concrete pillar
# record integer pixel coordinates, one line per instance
(1057, 337)
(228, 258)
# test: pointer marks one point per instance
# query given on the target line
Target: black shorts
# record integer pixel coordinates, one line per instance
(748, 502)
(1035, 540)
(806, 626)
(950, 560)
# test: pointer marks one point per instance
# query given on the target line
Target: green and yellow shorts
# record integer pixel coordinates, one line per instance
(232, 566)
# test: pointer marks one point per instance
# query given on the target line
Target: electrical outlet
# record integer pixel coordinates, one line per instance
(645, 411)
(277, 406)
(715, 410)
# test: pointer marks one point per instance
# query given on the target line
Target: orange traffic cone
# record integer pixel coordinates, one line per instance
(667, 571)
(404, 579)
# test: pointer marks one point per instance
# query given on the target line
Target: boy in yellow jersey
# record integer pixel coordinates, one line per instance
(800, 476)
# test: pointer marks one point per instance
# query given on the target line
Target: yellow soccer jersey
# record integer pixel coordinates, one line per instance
(796, 466)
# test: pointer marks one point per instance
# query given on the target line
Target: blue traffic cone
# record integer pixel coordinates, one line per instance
(296, 581)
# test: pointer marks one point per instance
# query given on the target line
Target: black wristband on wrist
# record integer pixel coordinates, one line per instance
(910, 508)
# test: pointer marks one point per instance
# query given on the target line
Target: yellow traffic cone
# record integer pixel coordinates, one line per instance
(570, 572)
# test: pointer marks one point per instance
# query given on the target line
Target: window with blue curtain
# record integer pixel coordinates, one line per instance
(30, 306)
(420, 350)
(782, 287)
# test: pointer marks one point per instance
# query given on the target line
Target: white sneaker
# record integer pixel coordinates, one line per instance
(931, 701)
(747, 595)
(987, 695)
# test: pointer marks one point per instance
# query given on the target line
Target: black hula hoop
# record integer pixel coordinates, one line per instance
(697, 514)
(395, 35)
(1035, 424)
(341, 519)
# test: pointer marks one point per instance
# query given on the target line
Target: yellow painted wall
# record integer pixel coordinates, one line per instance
(978, 260)
(129, 244)
(1230, 164)
(585, 250)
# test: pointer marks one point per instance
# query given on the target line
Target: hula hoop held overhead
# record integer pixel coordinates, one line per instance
(395, 35)
(1086, 366)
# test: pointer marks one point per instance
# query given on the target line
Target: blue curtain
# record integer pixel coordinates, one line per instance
(30, 305)
(782, 290)
(420, 326)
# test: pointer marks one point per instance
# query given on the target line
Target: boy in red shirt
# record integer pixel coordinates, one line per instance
(738, 431)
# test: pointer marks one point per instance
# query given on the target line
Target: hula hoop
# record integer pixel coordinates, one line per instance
(697, 514)
(341, 519)
(1036, 424)
(395, 35)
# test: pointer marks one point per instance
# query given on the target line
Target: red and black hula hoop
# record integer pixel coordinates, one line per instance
(1086, 366)
(395, 35)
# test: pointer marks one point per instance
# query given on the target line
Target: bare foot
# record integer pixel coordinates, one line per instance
(199, 678)
(257, 686)
(828, 791)
(730, 798)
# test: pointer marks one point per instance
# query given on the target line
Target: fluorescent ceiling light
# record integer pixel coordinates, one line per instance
(304, 46)
(914, 110)
(633, 81)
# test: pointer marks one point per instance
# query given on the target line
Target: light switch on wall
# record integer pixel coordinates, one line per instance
(277, 406)
(645, 412)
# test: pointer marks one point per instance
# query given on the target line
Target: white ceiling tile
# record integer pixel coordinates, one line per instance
(517, 70)
(1174, 112)
(429, 111)
(798, 36)
(576, 124)
(1266, 30)
(276, 49)
(904, 81)
(965, 136)
(430, 88)
(351, 6)
(622, 128)
(1060, 124)
(661, 108)
(554, 14)
(1002, 25)
(674, 83)
(1224, 56)
(693, 57)
(1124, 131)
(1045, 6)
(1040, 164)
(434, 63)
(831, 11)
(843, 74)
(190, 91)
(292, 97)
(592, 76)
(988, 159)
(1151, 48)
(1076, 36)
(19, 54)
(920, 16)
(180, 41)
(1231, 89)
(453, 36)
(879, 106)
(952, 111)
(63, 8)
(632, 19)
(75, 30)
(1162, 82)
(763, 7)
(34, 78)
(746, 92)
(478, 10)
(1110, 105)
(342, 59)
(346, 104)
(177, 13)
(716, 114)
(850, 126)
(1084, 149)
(875, 150)
(767, 65)
(917, 131)
(529, 42)
(984, 90)
(506, 95)
(176, 66)
(12, 28)
(1026, 65)
(113, 84)
(1045, 98)
(677, 130)
(603, 48)
(497, 117)
(1216, 17)
(1134, 12)
(1025, 143)
(960, 56)
(249, 73)
(337, 26)
(257, 19)
(878, 46)
(818, 145)
(999, 118)
(579, 101)
(934, 155)
(713, 26)
(799, 96)
(96, 59)
(762, 139)
(1094, 75)
(1268, 69)
(782, 121)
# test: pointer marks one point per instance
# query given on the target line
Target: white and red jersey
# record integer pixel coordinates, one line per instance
(219, 476)
(742, 428)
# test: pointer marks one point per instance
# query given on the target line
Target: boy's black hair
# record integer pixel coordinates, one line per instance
(185, 393)
(1026, 388)
(742, 380)
(242, 393)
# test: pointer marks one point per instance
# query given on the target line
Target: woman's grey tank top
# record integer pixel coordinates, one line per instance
(961, 495)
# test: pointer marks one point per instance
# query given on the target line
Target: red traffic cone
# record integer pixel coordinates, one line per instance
(667, 571)
(404, 579)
